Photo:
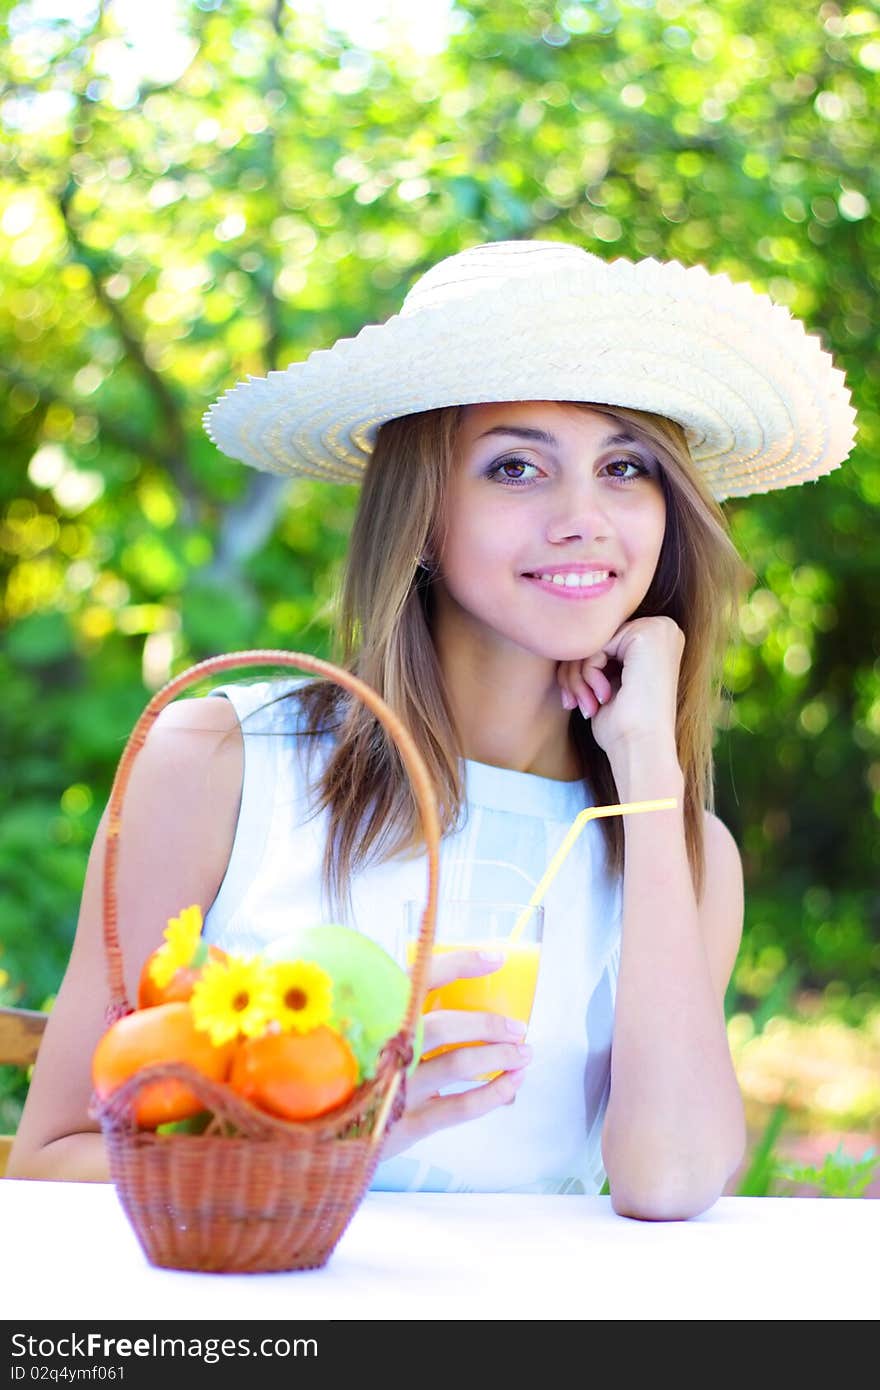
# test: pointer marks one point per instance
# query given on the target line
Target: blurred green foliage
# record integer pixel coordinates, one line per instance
(837, 1176)
(256, 185)
(763, 1166)
(770, 1175)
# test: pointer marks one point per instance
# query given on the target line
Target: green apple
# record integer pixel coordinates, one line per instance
(370, 990)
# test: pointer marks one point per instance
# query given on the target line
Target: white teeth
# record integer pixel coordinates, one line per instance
(576, 581)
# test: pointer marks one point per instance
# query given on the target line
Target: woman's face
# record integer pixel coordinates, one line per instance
(545, 489)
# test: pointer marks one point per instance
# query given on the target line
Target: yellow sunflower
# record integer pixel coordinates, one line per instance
(303, 995)
(182, 938)
(233, 997)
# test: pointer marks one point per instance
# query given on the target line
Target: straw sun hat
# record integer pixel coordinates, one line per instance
(760, 400)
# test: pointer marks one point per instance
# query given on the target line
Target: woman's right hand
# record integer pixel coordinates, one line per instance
(500, 1048)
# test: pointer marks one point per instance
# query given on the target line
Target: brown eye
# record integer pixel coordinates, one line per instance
(640, 470)
(503, 464)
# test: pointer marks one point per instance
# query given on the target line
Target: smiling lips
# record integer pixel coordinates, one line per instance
(574, 584)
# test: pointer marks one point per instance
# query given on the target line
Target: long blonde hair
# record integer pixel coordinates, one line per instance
(384, 636)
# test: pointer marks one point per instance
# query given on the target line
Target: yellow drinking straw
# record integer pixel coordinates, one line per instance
(627, 808)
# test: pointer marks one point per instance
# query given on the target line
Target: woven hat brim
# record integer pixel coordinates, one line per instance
(760, 400)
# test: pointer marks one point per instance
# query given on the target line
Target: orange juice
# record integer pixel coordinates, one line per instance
(509, 990)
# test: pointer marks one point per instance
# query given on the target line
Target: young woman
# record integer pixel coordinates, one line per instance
(541, 584)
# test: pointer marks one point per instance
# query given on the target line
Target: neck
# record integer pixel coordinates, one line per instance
(506, 704)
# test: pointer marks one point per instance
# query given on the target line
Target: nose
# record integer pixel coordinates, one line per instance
(577, 511)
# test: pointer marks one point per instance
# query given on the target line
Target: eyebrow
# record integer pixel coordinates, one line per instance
(543, 437)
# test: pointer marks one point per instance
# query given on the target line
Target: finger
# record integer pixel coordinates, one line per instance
(466, 1063)
(469, 1025)
(586, 670)
(427, 1113)
(565, 669)
(587, 701)
(599, 683)
(565, 673)
(562, 680)
(421, 1118)
(618, 643)
(461, 965)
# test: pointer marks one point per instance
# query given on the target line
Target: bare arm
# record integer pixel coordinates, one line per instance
(178, 825)
(675, 1127)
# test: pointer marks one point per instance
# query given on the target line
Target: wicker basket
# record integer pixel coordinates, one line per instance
(254, 1193)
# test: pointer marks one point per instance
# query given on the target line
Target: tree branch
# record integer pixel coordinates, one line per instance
(173, 450)
(110, 430)
(247, 525)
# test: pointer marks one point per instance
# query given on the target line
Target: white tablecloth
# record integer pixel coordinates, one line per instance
(71, 1254)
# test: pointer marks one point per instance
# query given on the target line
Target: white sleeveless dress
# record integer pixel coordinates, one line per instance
(510, 828)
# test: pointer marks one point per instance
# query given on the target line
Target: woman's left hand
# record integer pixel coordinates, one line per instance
(628, 688)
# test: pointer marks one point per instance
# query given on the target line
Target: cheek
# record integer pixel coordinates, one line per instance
(478, 539)
(647, 535)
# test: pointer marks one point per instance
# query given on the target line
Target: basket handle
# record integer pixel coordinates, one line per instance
(413, 761)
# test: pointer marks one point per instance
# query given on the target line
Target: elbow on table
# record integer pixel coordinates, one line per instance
(650, 1191)
(69, 1158)
(674, 1198)
(658, 1204)
(671, 1197)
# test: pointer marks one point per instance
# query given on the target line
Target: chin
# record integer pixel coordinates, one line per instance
(561, 651)
(574, 646)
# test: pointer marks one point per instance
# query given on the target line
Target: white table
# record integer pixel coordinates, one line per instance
(435, 1256)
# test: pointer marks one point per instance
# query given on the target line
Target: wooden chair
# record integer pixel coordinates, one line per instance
(21, 1032)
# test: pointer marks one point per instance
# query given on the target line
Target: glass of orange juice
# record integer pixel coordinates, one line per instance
(465, 924)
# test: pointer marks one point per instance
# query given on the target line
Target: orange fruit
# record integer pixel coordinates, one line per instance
(164, 1033)
(295, 1076)
(179, 987)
